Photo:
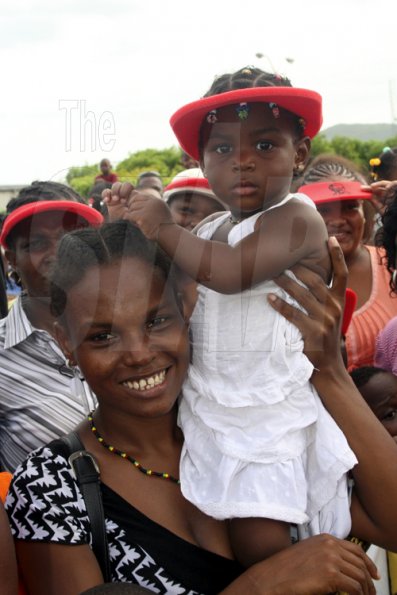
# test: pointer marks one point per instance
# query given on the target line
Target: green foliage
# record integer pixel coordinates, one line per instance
(168, 161)
(83, 184)
(360, 152)
(165, 161)
(80, 172)
(320, 144)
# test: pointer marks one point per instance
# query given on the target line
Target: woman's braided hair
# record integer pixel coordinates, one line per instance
(83, 249)
(330, 167)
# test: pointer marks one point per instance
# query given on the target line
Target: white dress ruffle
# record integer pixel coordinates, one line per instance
(258, 440)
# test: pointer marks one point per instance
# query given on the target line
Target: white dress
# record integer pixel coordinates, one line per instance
(258, 440)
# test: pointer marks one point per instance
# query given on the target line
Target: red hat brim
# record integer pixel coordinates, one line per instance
(90, 215)
(187, 121)
(336, 190)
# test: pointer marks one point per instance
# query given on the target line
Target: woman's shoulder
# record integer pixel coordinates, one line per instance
(40, 471)
(44, 502)
(55, 451)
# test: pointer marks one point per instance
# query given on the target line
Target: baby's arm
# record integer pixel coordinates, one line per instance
(289, 234)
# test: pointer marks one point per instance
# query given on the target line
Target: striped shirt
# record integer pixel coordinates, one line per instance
(41, 397)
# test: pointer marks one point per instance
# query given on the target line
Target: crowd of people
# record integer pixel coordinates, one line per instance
(225, 432)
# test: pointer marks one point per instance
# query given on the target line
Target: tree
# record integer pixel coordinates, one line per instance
(167, 162)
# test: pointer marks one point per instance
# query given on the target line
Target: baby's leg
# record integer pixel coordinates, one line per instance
(254, 539)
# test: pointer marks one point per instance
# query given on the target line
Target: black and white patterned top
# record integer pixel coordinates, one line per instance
(45, 504)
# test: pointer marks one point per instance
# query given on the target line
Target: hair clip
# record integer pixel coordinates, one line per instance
(275, 110)
(246, 71)
(302, 123)
(212, 117)
(242, 110)
(374, 162)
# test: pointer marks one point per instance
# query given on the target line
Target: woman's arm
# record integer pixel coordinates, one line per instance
(285, 236)
(374, 510)
(320, 564)
(56, 569)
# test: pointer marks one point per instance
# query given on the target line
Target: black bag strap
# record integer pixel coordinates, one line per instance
(86, 471)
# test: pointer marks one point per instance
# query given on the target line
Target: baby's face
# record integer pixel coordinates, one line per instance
(380, 392)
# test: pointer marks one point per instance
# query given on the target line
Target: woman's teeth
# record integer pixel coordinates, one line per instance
(146, 383)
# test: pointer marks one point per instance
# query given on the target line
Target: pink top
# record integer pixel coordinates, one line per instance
(372, 317)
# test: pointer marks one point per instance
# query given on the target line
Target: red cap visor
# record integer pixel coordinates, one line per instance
(334, 191)
(90, 215)
(187, 121)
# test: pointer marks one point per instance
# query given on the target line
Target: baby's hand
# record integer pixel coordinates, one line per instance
(115, 198)
(148, 213)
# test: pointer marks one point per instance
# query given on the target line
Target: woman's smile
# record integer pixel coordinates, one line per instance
(151, 384)
(127, 333)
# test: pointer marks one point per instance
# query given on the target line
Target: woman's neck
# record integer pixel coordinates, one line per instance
(137, 434)
(38, 312)
(357, 257)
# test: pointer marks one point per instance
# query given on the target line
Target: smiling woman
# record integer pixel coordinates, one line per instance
(339, 193)
(120, 320)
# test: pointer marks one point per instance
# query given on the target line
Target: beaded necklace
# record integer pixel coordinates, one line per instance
(126, 456)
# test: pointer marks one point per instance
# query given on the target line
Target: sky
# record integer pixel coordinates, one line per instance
(87, 79)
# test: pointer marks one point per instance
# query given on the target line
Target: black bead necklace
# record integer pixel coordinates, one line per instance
(128, 457)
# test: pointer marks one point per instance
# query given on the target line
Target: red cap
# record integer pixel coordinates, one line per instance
(189, 180)
(350, 306)
(187, 121)
(90, 215)
(334, 191)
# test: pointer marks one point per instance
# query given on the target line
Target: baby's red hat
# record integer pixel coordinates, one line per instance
(187, 121)
(90, 215)
(336, 190)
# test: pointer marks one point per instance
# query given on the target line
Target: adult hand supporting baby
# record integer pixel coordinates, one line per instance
(320, 327)
(373, 510)
(318, 565)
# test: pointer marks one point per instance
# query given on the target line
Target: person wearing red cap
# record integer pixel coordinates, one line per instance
(191, 199)
(41, 395)
(250, 417)
(344, 202)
